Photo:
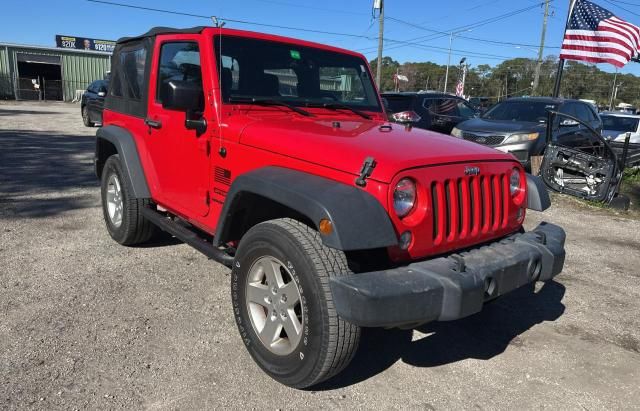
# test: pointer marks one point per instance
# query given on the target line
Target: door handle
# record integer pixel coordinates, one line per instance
(153, 123)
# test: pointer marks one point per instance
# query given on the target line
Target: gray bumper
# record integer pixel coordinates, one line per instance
(448, 288)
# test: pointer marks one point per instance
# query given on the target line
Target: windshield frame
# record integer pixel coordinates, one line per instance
(365, 75)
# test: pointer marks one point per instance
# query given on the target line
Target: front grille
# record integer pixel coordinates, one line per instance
(469, 207)
(482, 139)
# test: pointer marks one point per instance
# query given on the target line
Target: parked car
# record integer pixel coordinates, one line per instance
(429, 110)
(480, 103)
(616, 125)
(519, 126)
(92, 102)
(274, 157)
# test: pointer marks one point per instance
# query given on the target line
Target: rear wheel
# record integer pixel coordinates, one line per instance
(122, 211)
(284, 307)
(85, 117)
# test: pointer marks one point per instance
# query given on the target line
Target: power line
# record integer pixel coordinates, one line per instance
(252, 23)
(498, 42)
(399, 43)
(464, 27)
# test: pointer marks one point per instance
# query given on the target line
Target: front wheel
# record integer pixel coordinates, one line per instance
(283, 304)
(122, 211)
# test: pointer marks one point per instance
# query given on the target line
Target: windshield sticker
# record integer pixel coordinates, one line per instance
(295, 54)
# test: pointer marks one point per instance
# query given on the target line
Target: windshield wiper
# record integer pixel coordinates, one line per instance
(269, 102)
(339, 106)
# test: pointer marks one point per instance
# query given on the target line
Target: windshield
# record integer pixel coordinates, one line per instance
(300, 76)
(621, 124)
(528, 111)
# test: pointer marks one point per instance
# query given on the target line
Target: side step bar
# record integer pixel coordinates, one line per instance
(184, 234)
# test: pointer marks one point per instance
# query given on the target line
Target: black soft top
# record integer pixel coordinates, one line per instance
(163, 30)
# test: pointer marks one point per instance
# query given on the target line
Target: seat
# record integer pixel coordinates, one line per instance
(269, 85)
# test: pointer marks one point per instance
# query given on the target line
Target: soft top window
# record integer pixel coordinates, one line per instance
(130, 77)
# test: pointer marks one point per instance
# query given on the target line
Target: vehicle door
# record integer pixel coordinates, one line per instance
(180, 156)
(98, 103)
(444, 114)
(567, 131)
(88, 96)
(587, 169)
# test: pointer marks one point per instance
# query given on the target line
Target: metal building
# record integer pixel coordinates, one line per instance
(48, 73)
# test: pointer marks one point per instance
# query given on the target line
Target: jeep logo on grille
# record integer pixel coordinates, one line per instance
(471, 171)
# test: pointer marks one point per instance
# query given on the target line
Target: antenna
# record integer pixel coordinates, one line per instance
(217, 22)
(221, 150)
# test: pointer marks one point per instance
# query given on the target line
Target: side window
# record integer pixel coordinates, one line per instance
(343, 83)
(286, 84)
(444, 107)
(465, 110)
(129, 80)
(179, 62)
(585, 113)
(230, 76)
(570, 109)
(92, 87)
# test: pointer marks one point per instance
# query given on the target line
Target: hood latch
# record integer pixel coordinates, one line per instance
(366, 170)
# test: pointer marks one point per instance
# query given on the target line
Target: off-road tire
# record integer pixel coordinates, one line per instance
(85, 117)
(134, 229)
(328, 342)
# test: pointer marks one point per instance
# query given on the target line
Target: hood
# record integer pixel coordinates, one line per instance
(620, 137)
(345, 148)
(499, 126)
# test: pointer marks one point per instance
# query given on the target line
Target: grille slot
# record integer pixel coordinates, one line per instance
(468, 206)
(486, 140)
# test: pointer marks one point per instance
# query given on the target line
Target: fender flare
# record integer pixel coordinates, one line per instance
(360, 222)
(126, 147)
(537, 195)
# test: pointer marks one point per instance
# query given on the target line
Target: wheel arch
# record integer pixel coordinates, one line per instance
(359, 221)
(112, 140)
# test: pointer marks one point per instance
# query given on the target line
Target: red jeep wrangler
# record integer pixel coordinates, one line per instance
(274, 157)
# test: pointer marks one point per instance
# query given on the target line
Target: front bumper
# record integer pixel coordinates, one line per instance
(521, 151)
(449, 288)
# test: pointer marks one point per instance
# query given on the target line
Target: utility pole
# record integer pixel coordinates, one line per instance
(614, 90)
(536, 78)
(446, 76)
(379, 4)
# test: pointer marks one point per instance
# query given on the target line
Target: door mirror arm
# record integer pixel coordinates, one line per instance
(195, 121)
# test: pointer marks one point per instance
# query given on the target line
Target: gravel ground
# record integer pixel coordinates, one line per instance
(87, 323)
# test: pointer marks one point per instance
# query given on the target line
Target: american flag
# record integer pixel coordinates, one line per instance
(596, 35)
(460, 89)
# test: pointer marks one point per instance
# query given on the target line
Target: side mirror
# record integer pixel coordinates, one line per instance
(101, 93)
(569, 123)
(182, 96)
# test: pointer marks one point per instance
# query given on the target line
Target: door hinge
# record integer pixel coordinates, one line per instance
(207, 197)
(366, 170)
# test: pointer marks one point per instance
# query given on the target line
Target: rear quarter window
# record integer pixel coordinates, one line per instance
(128, 81)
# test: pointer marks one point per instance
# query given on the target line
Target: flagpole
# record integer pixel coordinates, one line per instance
(556, 88)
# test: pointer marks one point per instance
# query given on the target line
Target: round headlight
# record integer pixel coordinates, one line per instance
(514, 182)
(404, 197)
(456, 132)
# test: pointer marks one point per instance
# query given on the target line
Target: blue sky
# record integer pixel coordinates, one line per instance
(43, 19)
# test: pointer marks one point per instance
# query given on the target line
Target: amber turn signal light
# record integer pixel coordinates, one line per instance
(325, 226)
